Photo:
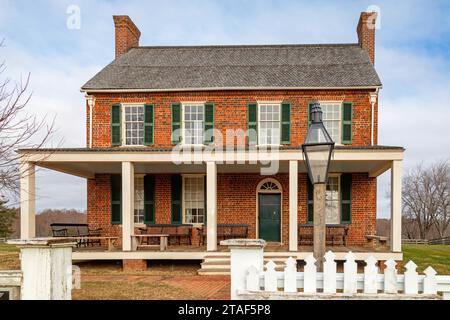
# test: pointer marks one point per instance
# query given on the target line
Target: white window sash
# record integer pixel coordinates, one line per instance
(260, 121)
(123, 121)
(187, 176)
(338, 218)
(339, 120)
(183, 123)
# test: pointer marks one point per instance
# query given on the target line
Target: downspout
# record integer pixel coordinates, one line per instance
(373, 99)
(91, 103)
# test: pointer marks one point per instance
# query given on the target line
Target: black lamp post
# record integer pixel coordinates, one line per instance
(318, 148)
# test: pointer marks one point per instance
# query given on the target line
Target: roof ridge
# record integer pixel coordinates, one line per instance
(232, 46)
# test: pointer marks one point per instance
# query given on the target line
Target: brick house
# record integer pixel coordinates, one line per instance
(183, 135)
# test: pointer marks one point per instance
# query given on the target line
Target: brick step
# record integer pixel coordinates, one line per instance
(213, 272)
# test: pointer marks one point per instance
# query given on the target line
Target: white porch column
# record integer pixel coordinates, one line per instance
(27, 200)
(211, 198)
(396, 206)
(293, 205)
(127, 205)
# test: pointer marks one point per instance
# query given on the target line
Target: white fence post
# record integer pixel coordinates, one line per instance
(429, 282)
(411, 279)
(370, 275)
(46, 267)
(350, 273)
(310, 273)
(244, 254)
(390, 276)
(329, 273)
(290, 275)
(253, 279)
(270, 277)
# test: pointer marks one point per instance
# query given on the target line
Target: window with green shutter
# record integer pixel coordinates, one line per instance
(176, 123)
(346, 198)
(285, 123)
(208, 124)
(176, 199)
(347, 117)
(115, 125)
(252, 123)
(149, 199)
(149, 119)
(116, 199)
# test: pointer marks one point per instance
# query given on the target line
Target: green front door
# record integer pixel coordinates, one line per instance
(269, 217)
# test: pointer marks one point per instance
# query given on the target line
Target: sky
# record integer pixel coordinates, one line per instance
(412, 60)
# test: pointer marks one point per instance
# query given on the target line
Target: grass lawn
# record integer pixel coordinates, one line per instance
(179, 280)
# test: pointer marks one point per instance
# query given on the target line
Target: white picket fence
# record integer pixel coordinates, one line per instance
(350, 283)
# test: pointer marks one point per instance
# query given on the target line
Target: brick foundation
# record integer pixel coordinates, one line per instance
(134, 265)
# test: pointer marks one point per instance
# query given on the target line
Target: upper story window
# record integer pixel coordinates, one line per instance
(193, 124)
(269, 124)
(332, 119)
(133, 125)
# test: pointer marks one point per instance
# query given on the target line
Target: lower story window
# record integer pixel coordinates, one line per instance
(332, 201)
(194, 199)
(139, 200)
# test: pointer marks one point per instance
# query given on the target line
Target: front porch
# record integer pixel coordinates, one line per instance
(232, 185)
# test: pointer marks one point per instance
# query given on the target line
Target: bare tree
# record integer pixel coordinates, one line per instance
(18, 128)
(426, 201)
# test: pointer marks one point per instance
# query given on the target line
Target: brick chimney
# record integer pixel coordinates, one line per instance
(127, 34)
(366, 33)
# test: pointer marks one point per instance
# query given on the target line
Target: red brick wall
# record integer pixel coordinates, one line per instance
(237, 203)
(231, 111)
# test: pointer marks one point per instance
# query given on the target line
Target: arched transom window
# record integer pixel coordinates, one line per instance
(269, 186)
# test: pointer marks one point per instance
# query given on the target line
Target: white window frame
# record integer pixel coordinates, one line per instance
(138, 176)
(183, 140)
(183, 206)
(261, 103)
(123, 106)
(335, 175)
(340, 103)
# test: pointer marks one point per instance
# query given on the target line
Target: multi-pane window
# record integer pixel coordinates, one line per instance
(194, 199)
(332, 119)
(134, 125)
(332, 201)
(269, 124)
(193, 116)
(139, 200)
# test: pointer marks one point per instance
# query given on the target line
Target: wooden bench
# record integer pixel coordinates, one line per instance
(226, 231)
(143, 241)
(336, 234)
(375, 240)
(81, 231)
(177, 233)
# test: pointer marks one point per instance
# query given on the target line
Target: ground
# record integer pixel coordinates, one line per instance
(168, 280)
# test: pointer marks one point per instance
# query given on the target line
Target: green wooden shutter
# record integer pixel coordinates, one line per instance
(347, 117)
(252, 123)
(115, 125)
(310, 210)
(346, 198)
(285, 123)
(176, 123)
(208, 124)
(149, 118)
(116, 199)
(149, 199)
(176, 199)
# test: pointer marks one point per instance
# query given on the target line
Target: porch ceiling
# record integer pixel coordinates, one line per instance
(87, 169)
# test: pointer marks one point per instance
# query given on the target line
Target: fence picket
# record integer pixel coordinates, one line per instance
(390, 276)
(429, 282)
(370, 275)
(350, 272)
(270, 277)
(411, 278)
(329, 273)
(310, 273)
(253, 279)
(290, 275)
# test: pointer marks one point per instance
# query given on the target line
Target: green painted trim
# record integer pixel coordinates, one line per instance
(115, 202)
(347, 124)
(212, 124)
(349, 201)
(151, 124)
(255, 123)
(116, 124)
(285, 123)
(173, 123)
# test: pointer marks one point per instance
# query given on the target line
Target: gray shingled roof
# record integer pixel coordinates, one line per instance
(259, 66)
